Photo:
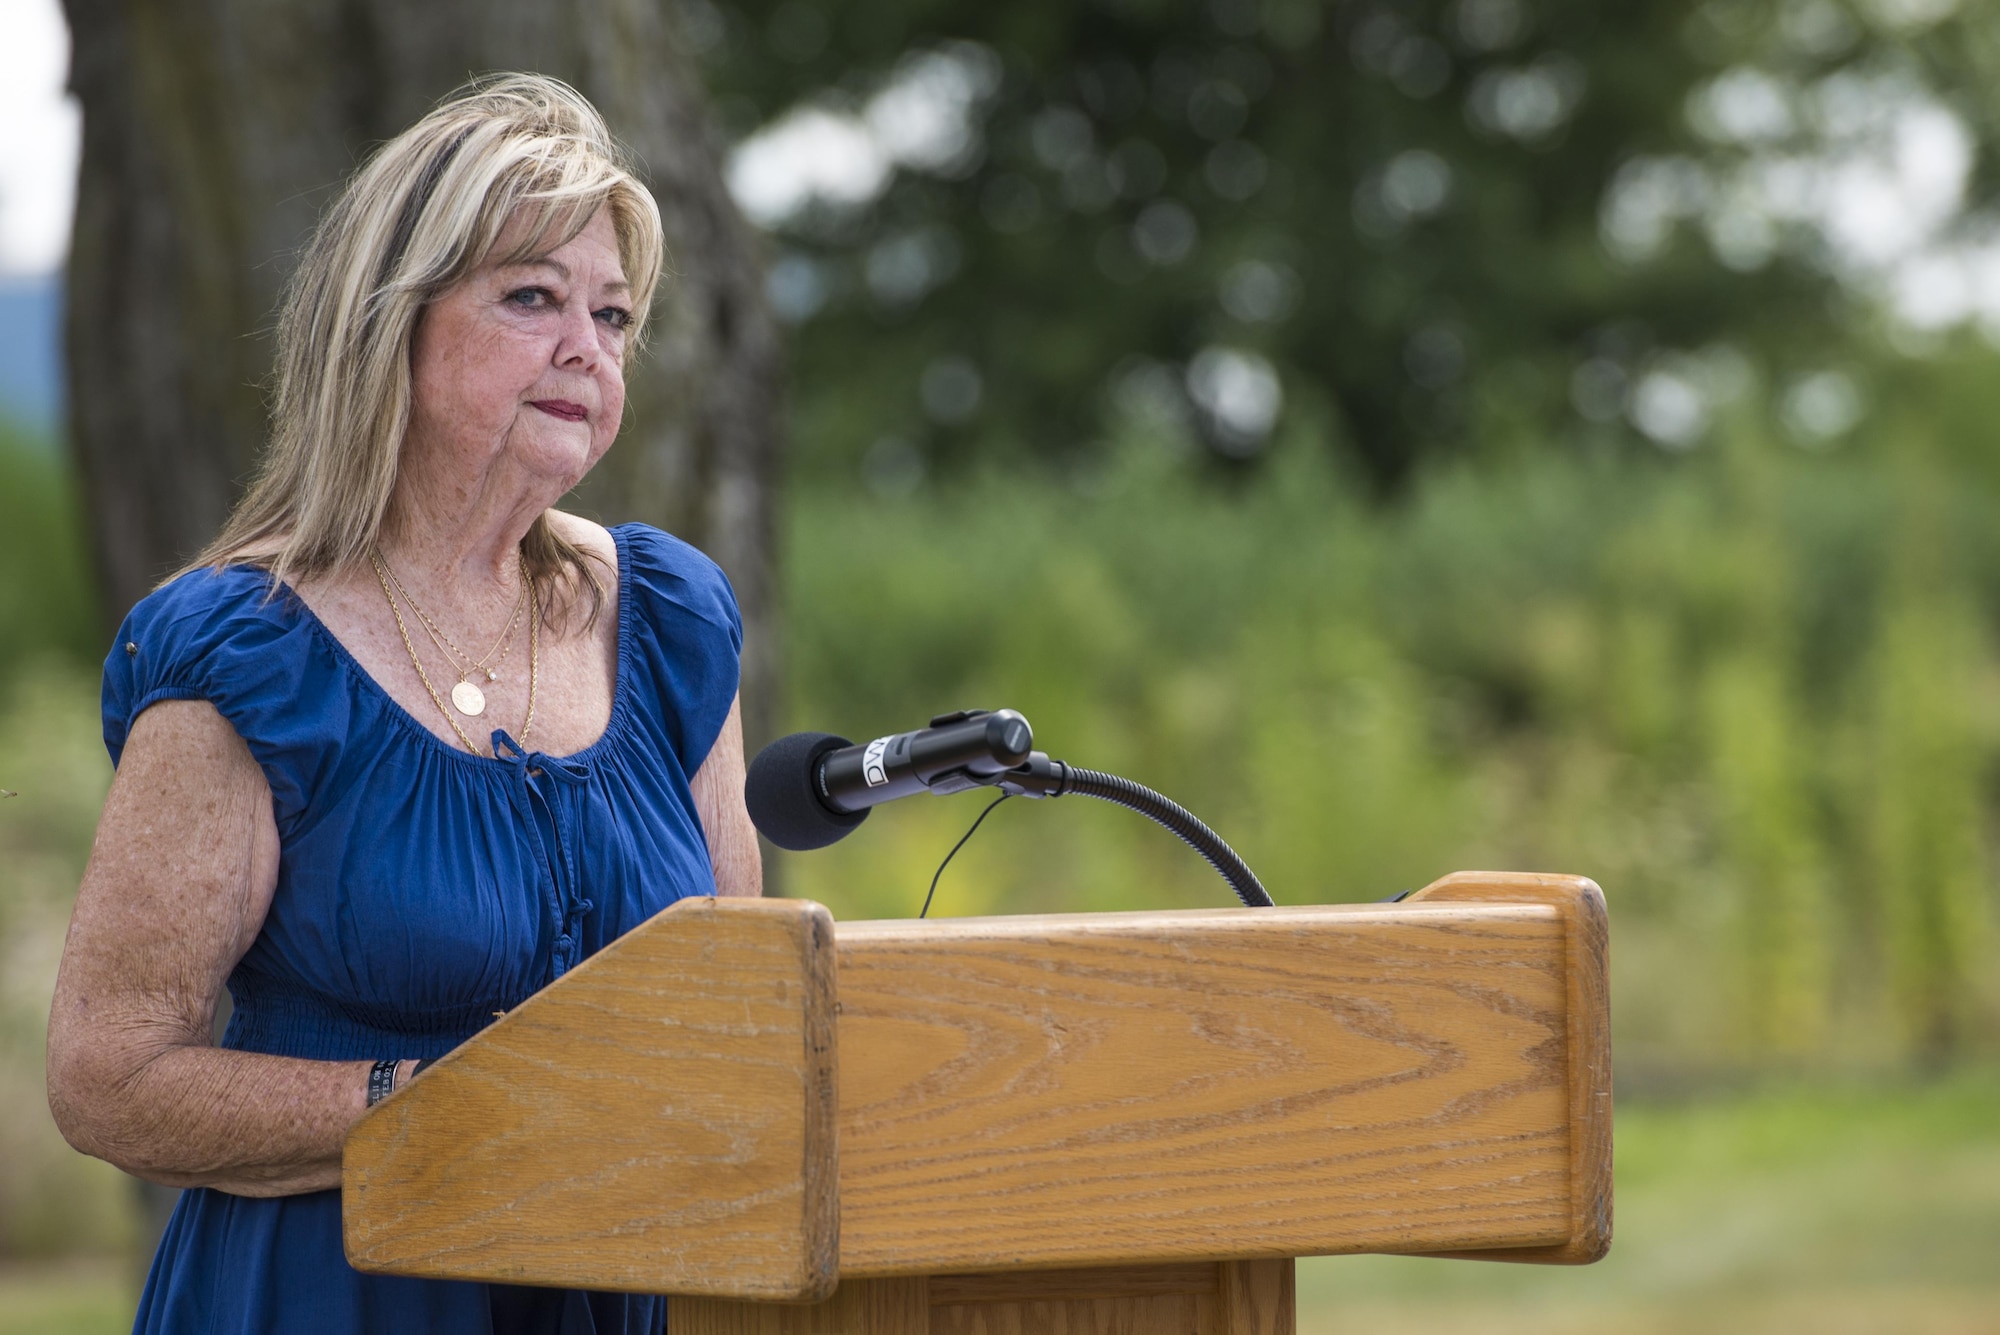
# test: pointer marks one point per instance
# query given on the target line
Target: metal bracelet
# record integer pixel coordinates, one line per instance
(382, 1079)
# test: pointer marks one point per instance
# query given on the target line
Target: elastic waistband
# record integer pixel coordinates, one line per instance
(288, 1021)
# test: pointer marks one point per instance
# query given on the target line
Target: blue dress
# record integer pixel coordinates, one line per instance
(421, 889)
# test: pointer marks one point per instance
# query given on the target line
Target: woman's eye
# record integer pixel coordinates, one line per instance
(529, 298)
(615, 316)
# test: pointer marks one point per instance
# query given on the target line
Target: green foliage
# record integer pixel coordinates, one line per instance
(53, 766)
(1930, 864)
(47, 606)
(52, 1200)
(77, 1298)
(1695, 679)
(1768, 840)
(1400, 204)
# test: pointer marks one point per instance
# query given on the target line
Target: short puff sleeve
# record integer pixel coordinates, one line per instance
(688, 635)
(225, 636)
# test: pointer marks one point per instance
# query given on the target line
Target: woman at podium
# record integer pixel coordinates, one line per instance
(405, 743)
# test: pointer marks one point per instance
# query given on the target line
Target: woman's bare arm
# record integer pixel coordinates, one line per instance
(180, 878)
(718, 799)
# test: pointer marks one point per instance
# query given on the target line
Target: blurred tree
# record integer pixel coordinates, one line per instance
(214, 134)
(1460, 224)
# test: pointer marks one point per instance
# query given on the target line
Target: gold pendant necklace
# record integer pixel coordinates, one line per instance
(466, 697)
(474, 696)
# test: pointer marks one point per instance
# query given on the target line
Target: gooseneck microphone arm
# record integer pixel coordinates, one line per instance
(813, 788)
(1043, 777)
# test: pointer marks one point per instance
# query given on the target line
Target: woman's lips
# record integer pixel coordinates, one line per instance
(563, 408)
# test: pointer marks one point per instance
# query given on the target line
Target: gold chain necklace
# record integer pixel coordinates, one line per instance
(447, 646)
(383, 576)
(466, 697)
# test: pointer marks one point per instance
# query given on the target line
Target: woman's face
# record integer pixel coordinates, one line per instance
(523, 364)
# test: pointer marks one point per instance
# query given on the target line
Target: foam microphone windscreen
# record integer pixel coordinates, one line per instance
(783, 799)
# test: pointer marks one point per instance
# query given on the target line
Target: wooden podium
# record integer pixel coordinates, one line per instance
(1116, 1123)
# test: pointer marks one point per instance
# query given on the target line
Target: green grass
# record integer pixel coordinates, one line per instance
(82, 1297)
(1795, 1210)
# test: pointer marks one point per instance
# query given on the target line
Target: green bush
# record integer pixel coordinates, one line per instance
(47, 606)
(1730, 686)
(54, 770)
(52, 1200)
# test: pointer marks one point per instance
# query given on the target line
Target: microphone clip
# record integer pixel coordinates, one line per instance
(1038, 777)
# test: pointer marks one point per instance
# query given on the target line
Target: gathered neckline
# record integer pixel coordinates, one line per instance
(614, 727)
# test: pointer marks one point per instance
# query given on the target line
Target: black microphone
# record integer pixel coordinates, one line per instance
(812, 788)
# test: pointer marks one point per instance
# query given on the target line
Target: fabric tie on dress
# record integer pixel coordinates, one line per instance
(555, 828)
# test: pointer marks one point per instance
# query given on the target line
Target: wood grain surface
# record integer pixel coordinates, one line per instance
(1587, 973)
(858, 1307)
(1259, 1297)
(1125, 1281)
(1190, 1298)
(1154, 1314)
(1090, 1090)
(661, 1119)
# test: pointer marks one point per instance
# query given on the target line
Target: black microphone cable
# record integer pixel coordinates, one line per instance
(925, 910)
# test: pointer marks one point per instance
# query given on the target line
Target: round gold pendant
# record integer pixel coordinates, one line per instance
(468, 699)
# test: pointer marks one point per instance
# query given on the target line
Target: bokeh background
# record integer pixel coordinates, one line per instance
(1415, 435)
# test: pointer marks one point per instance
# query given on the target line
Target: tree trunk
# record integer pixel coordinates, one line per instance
(215, 132)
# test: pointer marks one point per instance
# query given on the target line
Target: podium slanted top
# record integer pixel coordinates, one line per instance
(743, 1100)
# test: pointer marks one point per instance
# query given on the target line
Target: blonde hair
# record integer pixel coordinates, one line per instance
(425, 211)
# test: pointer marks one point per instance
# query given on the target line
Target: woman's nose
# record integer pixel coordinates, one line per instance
(578, 347)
